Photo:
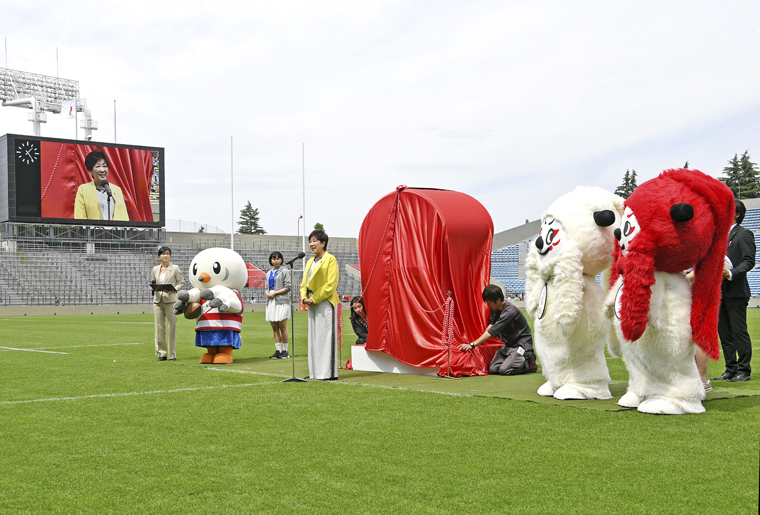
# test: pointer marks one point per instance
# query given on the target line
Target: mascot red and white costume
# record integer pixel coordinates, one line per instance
(566, 303)
(674, 222)
(217, 275)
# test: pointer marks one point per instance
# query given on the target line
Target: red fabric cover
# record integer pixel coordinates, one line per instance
(412, 252)
(256, 277)
(63, 171)
(670, 246)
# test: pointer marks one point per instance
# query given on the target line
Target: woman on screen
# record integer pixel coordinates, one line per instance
(92, 200)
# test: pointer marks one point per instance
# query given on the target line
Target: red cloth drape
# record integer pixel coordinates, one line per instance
(63, 170)
(415, 246)
(256, 276)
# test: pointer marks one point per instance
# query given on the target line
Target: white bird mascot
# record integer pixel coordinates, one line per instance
(217, 275)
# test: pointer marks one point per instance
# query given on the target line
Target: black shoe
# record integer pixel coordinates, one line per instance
(739, 378)
(276, 355)
(284, 355)
(162, 358)
(172, 359)
(725, 377)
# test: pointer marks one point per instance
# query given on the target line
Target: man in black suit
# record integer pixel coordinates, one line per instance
(732, 322)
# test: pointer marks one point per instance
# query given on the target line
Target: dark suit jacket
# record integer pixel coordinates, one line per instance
(741, 252)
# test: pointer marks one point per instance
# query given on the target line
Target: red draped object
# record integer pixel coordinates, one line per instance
(63, 171)
(415, 246)
(256, 276)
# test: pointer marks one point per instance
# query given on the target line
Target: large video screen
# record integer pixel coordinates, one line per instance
(64, 182)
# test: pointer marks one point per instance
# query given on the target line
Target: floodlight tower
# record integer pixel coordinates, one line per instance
(43, 94)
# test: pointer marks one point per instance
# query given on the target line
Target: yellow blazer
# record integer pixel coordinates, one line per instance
(86, 204)
(324, 280)
(173, 276)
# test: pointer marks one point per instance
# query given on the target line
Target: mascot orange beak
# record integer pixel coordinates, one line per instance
(204, 277)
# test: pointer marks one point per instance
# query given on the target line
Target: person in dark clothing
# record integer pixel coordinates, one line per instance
(509, 325)
(735, 294)
(359, 319)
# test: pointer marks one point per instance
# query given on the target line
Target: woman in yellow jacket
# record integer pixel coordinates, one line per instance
(92, 200)
(318, 291)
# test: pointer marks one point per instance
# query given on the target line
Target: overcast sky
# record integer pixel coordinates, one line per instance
(514, 103)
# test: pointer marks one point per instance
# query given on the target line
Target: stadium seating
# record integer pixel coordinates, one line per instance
(35, 274)
(504, 261)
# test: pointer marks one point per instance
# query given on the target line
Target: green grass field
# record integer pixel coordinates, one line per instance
(94, 424)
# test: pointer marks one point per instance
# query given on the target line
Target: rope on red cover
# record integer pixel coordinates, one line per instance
(340, 338)
(394, 209)
(447, 331)
(340, 325)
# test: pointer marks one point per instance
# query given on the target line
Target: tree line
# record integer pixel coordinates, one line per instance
(741, 175)
(249, 222)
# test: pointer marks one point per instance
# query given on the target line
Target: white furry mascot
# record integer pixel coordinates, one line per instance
(673, 222)
(217, 275)
(566, 303)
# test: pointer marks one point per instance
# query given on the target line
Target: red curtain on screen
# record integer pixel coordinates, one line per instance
(416, 245)
(63, 171)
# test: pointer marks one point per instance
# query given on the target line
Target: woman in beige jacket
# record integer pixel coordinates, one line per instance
(163, 305)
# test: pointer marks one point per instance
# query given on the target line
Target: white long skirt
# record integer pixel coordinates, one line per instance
(323, 341)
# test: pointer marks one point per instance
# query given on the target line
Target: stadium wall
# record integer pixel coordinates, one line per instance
(128, 309)
(254, 241)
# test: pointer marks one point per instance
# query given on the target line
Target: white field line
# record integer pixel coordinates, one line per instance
(128, 394)
(93, 345)
(42, 349)
(246, 372)
(351, 383)
(33, 350)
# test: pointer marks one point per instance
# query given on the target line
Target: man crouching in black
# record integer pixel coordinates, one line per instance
(509, 325)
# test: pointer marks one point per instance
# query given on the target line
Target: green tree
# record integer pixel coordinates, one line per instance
(629, 184)
(249, 221)
(742, 176)
(201, 230)
(319, 226)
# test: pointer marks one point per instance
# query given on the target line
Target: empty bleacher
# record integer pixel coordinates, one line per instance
(504, 261)
(35, 274)
(504, 268)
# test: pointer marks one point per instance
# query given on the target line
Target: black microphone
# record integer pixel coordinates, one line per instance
(104, 183)
(151, 290)
(299, 256)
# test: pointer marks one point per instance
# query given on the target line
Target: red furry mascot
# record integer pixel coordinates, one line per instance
(673, 222)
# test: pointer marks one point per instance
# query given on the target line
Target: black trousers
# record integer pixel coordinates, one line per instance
(734, 337)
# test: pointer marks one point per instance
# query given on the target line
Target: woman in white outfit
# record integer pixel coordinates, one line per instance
(277, 284)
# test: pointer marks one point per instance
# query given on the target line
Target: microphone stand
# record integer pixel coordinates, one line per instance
(293, 379)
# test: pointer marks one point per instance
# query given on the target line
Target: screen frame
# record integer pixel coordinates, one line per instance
(13, 184)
